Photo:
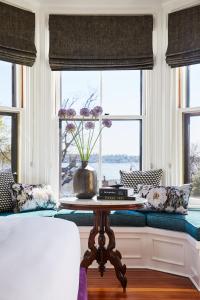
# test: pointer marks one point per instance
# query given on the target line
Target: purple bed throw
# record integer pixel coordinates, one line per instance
(82, 293)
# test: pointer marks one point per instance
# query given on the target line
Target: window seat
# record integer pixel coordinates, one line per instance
(184, 223)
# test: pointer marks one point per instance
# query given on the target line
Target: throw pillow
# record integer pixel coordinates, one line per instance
(28, 197)
(132, 179)
(6, 179)
(169, 199)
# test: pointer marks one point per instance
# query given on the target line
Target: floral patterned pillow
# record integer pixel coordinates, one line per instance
(172, 199)
(28, 197)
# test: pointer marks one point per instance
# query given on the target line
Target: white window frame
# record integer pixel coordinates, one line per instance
(16, 110)
(183, 110)
(140, 118)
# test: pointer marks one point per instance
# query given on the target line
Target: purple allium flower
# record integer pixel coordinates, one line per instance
(70, 113)
(107, 123)
(62, 113)
(89, 125)
(84, 112)
(96, 111)
(70, 127)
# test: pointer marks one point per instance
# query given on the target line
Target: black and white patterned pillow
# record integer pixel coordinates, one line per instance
(6, 203)
(171, 199)
(132, 179)
(29, 197)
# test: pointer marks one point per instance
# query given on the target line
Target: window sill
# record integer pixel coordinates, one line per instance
(194, 203)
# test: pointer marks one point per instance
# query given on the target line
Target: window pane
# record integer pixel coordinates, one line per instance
(70, 159)
(120, 149)
(5, 142)
(194, 162)
(121, 92)
(194, 91)
(5, 84)
(77, 87)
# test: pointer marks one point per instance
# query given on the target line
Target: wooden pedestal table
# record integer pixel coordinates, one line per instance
(102, 253)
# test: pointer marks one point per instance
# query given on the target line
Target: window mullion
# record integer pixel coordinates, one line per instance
(187, 86)
(123, 117)
(186, 148)
(14, 90)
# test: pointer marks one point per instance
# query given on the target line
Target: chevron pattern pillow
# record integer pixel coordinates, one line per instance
(6, 203)
(132, 179)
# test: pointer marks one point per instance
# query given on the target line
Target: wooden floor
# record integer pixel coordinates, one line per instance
(142, 285)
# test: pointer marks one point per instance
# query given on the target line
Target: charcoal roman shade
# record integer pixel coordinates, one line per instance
(184, 37)
(100, 42)
(17, 35)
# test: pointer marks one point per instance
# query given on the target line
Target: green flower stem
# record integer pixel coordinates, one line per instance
(89, 144)
(77, 145)
(83, 146)
(95, 141)
(80, 149)
(76, 140)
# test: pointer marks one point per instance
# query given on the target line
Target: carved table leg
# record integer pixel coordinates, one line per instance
(91, 254)
(114, 256)
(101, 253)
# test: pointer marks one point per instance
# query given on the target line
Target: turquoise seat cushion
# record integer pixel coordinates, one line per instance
(166, 221)
(6, 214)
(117, 218)
(128, 218)
(189, 223)
(80, 218)
(35, 213)
(192, 225)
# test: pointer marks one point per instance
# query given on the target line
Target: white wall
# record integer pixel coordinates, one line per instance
(39, 124)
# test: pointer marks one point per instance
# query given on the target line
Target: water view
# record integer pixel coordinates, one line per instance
(110, 174)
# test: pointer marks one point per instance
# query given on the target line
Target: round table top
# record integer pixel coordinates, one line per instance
(94, 204)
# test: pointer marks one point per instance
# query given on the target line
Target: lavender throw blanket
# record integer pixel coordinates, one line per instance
(82, 294)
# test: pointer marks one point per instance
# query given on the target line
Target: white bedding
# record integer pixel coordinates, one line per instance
(39, 259)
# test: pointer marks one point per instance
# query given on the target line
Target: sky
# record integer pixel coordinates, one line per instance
(195, 85)
(119, 94)
(5, 84)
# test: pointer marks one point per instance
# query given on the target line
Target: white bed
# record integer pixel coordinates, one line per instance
(39, 259)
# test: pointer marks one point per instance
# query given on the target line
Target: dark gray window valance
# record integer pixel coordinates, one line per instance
(184, 37)
(17, 35)
(100, 42)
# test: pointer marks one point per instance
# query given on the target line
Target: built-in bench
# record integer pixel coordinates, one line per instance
(189, 223)
(160, 241)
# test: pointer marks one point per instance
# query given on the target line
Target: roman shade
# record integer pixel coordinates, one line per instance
(17, 35)
(184, 37)
(100, 42)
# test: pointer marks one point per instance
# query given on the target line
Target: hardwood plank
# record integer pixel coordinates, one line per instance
(142, 285)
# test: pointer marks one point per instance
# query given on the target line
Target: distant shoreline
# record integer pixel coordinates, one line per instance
(112, 158)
